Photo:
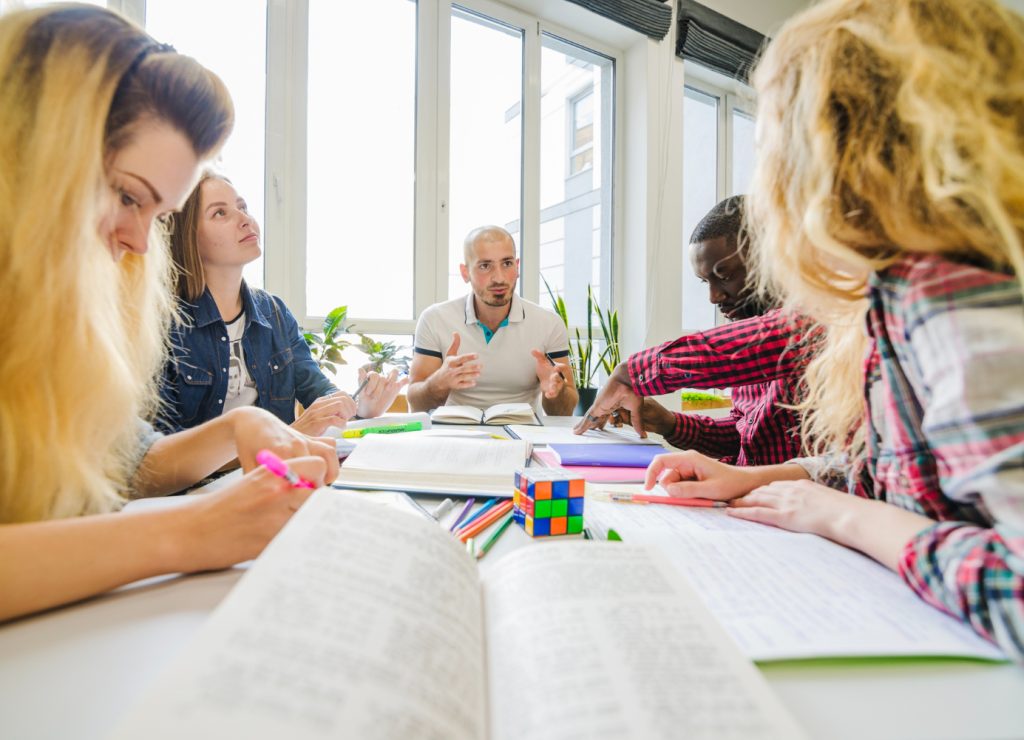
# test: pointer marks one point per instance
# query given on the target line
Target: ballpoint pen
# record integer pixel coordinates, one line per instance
(279, 467)
(361, 386)
(554, 364)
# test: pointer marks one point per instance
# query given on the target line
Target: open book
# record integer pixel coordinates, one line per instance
(425, 463)
(360, 621)
(502, 413)
(786, 595)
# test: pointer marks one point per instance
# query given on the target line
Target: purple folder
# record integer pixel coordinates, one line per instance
(611, 455)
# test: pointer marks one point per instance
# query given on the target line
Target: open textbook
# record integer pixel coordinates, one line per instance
(430, 464)
(502, 413)
(360, 621)
(785, 595)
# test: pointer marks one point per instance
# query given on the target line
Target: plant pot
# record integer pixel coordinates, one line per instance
(587, 396)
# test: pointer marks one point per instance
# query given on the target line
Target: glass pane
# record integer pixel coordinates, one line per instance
(700, 193)
(361, 165)
(347, 377)
(486, 132)
(576, 138)
(199, 28)
(742, 151)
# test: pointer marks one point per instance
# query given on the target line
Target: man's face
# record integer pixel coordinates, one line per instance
(717, 263)
(492, 270)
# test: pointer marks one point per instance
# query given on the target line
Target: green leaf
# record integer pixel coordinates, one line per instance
(334, 355)
(335, 320)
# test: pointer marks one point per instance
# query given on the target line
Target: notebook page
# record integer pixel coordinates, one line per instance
(603, 641)
(357, 621)
(784, 595)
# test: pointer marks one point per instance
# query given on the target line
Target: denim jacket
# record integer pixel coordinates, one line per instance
(195, 380)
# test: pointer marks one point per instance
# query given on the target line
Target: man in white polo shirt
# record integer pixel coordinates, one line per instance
(490, 346)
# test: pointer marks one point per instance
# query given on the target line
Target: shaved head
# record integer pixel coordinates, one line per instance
(483, 234)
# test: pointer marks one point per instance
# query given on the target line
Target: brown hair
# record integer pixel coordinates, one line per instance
(191, 280)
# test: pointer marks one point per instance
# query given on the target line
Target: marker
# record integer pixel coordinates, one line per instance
(442, 508)
(494, 537)
(279, 467)
(412, 426)
(636, 498)
(554, 364)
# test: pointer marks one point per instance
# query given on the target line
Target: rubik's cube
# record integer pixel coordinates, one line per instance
(548, 501)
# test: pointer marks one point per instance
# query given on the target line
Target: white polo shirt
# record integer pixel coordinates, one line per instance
(508, 371)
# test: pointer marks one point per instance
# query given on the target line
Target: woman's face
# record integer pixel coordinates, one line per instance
(228, 236)
(150, 176)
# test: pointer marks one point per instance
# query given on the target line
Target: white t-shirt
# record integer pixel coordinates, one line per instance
(509, 372)
(241, 387)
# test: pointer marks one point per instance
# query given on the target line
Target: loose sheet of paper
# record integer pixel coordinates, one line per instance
(547, 435)
(591, 640)
(785, 595)
(356, 621)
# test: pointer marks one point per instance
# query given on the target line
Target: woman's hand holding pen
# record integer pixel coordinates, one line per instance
(255, 429)
(378, 391)
(327, 411)
(234, 524)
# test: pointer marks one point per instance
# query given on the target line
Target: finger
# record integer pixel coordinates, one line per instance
(690, 489)
(325, 448)
(362, 375)
(761, 514)
(654, 471)
(453, 348)
(310, 467)
(460, 360)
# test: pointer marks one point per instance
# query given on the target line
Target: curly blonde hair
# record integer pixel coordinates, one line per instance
(885, 127)
(82, 334)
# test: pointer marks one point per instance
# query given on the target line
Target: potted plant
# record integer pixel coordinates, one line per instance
(379, 354)
(327, 347)
(585, 363)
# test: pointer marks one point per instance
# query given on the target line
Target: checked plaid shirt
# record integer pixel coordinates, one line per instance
(757, 357)
(945, 411)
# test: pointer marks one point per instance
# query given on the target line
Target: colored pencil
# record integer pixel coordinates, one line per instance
(494, 537)
(479, 512)
(462, 514)
(483, 523)
(637, 498)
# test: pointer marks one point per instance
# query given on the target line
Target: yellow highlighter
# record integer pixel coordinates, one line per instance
(412, 426)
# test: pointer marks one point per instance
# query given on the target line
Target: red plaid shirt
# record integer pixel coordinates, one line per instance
(945, 412)
(761, 359)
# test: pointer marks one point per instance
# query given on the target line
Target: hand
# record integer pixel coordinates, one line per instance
(327, 411)
(456, 371)
(654, 417)
(235, 523)
(796, 505)
(616, 394)
(551, 377)
(379, 392)
(255, 429)
(693, 475)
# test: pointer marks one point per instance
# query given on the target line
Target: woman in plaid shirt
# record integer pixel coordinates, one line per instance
(888, 205)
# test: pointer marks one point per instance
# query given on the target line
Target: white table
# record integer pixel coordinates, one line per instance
(72, 672)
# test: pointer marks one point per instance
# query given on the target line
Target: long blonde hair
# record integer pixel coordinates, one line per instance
(82, 335)
(885, 127)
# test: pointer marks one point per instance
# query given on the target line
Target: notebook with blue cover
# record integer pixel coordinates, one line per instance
(611, 455)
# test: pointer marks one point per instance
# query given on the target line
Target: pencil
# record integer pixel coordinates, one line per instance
(479, 512)
(637, 498)
(484, 522)
(465, 510)
(494, 537)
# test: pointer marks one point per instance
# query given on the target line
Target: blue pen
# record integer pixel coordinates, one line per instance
(465, 510)
(482, 510)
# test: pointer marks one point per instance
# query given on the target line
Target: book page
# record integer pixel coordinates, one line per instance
(547, 435)
(601, 640)
(357, 621)
(784, 595)
(509, 412)
(457, 415)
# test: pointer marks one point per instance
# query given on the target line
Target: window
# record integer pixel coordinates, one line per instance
(575, 199)
(360, 172)
(581, 149)
(718, 161)
(198, 28)
(485, 142)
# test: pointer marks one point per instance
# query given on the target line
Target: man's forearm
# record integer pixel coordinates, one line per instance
(423, 396)
(563, 404)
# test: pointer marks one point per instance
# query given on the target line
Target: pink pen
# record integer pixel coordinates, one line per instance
(279, 467)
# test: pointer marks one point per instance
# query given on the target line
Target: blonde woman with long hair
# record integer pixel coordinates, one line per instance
(102, 133)
(888, 205)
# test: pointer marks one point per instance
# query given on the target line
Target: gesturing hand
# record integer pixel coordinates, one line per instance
(456, 371)
(327, 411)
(552, 377)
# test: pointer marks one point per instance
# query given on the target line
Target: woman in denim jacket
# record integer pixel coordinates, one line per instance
(240, 346)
